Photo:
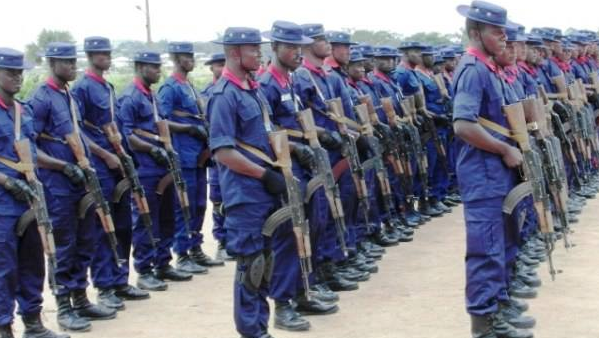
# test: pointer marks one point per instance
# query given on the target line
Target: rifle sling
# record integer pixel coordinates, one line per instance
(500, 129)
(258, 153)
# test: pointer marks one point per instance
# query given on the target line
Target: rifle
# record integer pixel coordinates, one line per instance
(301, 229)
(429, 124)
(39, 207)
(92, 185)
(323, 175)
(174, 168)
(350, 152)
(137, 190)
(413, 103)
(537, 123)
(533, 176)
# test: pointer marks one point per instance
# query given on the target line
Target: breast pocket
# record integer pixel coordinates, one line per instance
(251, 124)
(145, 112)
(6, 138)
(62, 123)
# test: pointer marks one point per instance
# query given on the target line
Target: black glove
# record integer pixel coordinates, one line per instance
(74, 173)
(198, 132)
(330, 140)
(159, 156)
(19, 189)
(273, 182)
(363, 145)
(304, 155)
(383, 131)
(441, 121)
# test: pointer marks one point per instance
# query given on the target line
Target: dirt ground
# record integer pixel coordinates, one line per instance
(418, 293)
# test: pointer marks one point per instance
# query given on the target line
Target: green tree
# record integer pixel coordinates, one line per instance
(376, 37)
(46, 36)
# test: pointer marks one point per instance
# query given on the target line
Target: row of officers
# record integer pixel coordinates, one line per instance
(315, 162)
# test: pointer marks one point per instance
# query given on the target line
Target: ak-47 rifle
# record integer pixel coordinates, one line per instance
(429, 124)
(533, 176)
(323, 175)
(130, 173)
(350, 152)
(301, 229)
(537, 125)
(174, 169)
(413, 104)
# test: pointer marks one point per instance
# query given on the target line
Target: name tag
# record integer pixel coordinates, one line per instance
(285, 97)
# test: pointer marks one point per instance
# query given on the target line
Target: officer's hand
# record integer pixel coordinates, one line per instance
(19, 189)
(512, 157)
(273, 182)
(304, 155)
(383, 131)
(330, 140)
(159, 156)
(198, 132)
(363, 145)
(113, 162)
(441, 120)
(74, 173)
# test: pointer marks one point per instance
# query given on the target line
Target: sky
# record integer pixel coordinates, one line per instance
(178, 20)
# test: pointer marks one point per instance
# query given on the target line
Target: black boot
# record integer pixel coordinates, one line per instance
(201, 258)
(147, 281)
(335, 281)
(170, 273)
(482, 327)
(503, 329)
(425, 208)
(513, 316)
(67, 318)
(383, 240)
(107, 298)
(130, 292)
(221, 253)
(322, 292)
(314, 306)
(435, 203)
(287, 319)
(518, 289)
(186, 264)
(6, 331)
(85, 309)
(34, 328)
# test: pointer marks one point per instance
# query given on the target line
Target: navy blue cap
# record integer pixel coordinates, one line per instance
(534, 40)
(13, 59)
(486, 13)
(513, 35)
(578, 38)
(545, 35)
(147, 56)
(97, 44)
(447, 53)
(385, 51)
(458, 49)
(412, 45)
(568, 45)
(240, 36)
(287, 32)
(356, 56)
(438, 58)
(338, 37)
(366, 50)
(429, 50)
(555, 31)
(180, 47)
(216, 57)
(313, 29)
(61, 50)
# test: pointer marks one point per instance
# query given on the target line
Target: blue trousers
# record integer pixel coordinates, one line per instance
(163, 223)
(21, 270)
(437, 174)
(104, 271)
(196, 191)
(75, 241)
(485, 256)
(244, 238)
(218, 219)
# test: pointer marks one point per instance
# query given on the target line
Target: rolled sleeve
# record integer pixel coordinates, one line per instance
(468, 96)
(223, 120)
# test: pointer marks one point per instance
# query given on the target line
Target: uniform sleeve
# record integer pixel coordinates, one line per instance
(468, 95)
(126, 116)
(166, 98)
(39, 111)
(223, 119)
(300, 88)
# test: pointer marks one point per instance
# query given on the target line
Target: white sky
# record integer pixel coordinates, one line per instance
(200, 20)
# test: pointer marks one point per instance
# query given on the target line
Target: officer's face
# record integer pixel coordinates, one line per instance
(532, 55)
(385, 64)
(289, 55)
(575, 53)
(11, 80)
(368, 65)
(520, 50)
(321, 48)
(428, 61)
(64, 69)
(507, 57)
(100, 60)
(250, 56)
(217, 69)
(340, 53)
(356, 70)
(450, 65)
(186, 61)
(150, 72)
(493, 38)
(414, 56)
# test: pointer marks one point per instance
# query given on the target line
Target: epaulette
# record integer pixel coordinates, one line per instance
(219, 86)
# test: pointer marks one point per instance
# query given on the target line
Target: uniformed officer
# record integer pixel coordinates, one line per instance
(479, 93)
(22, 255)
(239, 115)
(286, 41)
(98, 108)
(183, 106)
(138, 116)
(56, 115)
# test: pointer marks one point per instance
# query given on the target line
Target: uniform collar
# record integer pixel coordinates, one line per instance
(483, 58)
(179, 78)
(530, 70)
(564, 66)
(95, 76)
(227, 74)
(381, 75)
(141, 86)
(52, 84)
(352, 83)
(3, 104)
(313, 68)
(282, 79)
(331, 62)
(366, 80)
(507, 74)
(424, 71)
(406, 65)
